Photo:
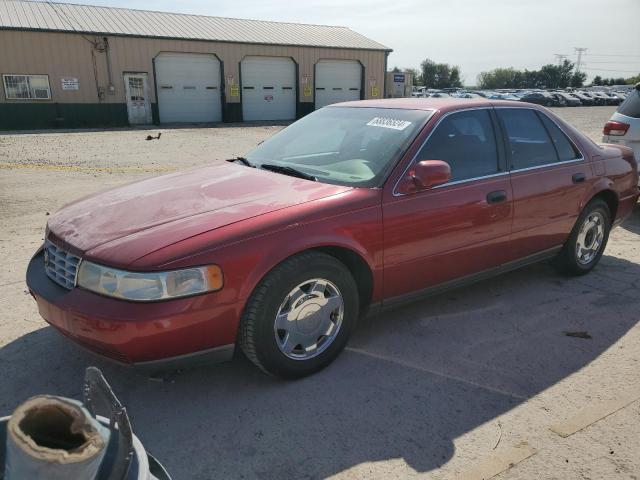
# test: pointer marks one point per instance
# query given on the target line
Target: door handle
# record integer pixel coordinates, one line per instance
(497, 196)
(578, 177)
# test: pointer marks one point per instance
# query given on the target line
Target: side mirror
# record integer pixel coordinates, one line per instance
(425, 174)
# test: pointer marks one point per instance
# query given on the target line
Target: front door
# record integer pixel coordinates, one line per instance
(456, 229)
(137, 91)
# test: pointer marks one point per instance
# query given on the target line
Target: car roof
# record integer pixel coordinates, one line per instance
(431, 103)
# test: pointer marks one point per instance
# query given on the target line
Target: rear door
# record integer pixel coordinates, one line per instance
(549, 176)
(456, 229)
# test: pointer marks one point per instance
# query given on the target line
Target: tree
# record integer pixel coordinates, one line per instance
(501, 78)
(632, 80)
(578, 79)
(428, 68)
(597, 80)
(549, 76)
(439, 75)
(414, 75)
(454, 77)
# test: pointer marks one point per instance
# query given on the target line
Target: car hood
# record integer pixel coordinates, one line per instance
(147, 215)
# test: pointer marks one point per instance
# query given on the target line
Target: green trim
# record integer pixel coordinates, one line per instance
(155, 114)
(26, 116)
(304, 108)
(231, 112)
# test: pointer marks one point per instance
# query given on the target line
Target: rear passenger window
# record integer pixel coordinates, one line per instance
(631, 105)
(466, 141)
(529, 143)
(564, 147)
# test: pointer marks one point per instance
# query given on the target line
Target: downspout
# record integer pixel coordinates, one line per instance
(384, 83)
(110, 87)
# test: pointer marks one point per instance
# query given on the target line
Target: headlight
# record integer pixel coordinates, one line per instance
(146, 287)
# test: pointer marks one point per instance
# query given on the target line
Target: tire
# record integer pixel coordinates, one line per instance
(314, 297)
(591, 232)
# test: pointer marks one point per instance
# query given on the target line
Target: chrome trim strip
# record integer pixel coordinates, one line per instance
(466, 180)
(555, 164)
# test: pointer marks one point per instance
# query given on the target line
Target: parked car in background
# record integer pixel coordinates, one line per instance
(584, 99)
(567, 99)
(613, 98)
(539, 98)
(623, 128)
(597, 99)
(606, 99)
(439, 95)
(355, 207)
(503, 96)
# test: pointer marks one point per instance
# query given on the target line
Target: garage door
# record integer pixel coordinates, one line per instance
(337, 81)
(268, 88)
(188, 87)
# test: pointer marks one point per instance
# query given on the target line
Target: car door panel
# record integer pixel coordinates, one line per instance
(546, 204)
(445, 233)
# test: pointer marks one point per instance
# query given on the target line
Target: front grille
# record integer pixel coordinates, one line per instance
(60, 265)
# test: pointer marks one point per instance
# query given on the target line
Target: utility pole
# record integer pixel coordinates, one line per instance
(579, 51)
(560, 57)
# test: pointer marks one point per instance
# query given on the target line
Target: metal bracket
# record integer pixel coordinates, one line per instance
(99, 399)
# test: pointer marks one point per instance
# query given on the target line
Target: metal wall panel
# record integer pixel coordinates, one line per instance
(69, 55)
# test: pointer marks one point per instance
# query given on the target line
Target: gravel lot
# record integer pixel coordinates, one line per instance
(469, 381)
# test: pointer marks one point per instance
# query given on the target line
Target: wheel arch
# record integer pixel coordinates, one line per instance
(610, 198)
(354, 261)
(358, 267)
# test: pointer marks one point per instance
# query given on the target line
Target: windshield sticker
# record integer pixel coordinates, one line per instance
(386, 122)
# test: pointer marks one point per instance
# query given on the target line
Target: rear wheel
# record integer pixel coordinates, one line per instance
(588, 239)
(300, 316)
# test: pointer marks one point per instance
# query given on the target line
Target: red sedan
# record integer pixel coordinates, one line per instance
(355, 207)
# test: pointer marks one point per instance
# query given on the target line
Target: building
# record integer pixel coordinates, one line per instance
(65, 65)
(399, 84)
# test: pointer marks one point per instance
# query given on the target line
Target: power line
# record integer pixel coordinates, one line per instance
(613, 70)
(612, 55)
(613, 63)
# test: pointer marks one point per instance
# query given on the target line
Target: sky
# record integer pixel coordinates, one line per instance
(476, 35)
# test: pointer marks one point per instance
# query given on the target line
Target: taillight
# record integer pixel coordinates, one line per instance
(616, 129)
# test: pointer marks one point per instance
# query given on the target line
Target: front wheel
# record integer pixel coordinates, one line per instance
(587, 241)
(300, 316)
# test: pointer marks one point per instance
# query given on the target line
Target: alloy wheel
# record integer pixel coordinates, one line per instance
(309, 319)
(590, 238)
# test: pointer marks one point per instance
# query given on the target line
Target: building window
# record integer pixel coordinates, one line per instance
(27, 87)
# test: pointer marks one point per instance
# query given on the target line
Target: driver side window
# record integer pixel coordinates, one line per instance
(466, 141)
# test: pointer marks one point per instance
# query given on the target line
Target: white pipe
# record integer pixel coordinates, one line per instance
(54, 438)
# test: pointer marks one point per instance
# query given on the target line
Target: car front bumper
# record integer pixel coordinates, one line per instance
(156, 335)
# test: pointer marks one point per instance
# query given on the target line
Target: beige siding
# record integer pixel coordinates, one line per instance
(69, 55)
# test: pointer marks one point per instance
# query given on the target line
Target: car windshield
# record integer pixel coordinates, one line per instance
(355, 146)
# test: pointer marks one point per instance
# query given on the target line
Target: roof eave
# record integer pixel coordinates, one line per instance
(161, 37)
